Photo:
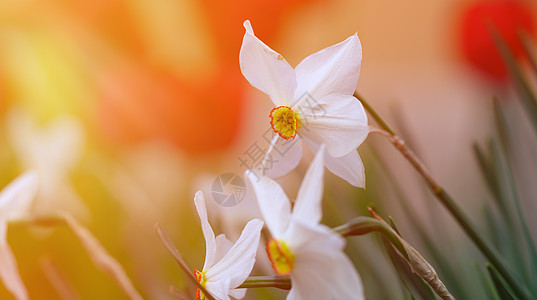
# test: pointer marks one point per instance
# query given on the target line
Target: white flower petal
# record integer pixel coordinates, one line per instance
(304, 237)
(339, 122)
(237, 293)
(266, 70)
(208, 233)
(219, 289)
(307, 207)
(273, 203)
(9, 272)
(331, 270)
(16, 197)
(305, 240)
(344, 279)
(308, 284)
(238, 262)
(222, 246)
(349, 167)
(283, 156)
(332, 70)
(321, 262)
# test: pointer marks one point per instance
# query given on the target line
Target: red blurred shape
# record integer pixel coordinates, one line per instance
(507, 17)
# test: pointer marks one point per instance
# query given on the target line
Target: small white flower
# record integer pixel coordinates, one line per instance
(227, 265)
(309, 252)
(313, 102)
(15, 200)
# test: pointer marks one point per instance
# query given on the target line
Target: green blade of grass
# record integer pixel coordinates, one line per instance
(488, 286)
(502, 290)
(503, 130)
(527, 97)
(492, 226)
(488, 171)
(443, 196)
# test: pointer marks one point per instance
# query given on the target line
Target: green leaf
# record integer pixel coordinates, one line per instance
(488, 286)
(501, 288)
(527, 97)
(488, 172)
(503, 130)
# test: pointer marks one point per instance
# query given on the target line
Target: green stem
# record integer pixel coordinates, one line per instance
(283, 283)
(181, 262)
(374, 114)
(364, 225)
(449, 204)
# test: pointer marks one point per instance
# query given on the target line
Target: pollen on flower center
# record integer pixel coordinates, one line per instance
(200, 276)
(281, 257)
(284, 121)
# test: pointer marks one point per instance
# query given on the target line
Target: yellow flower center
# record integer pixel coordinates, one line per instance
(281, 257)
(200, 276)
(284, 121)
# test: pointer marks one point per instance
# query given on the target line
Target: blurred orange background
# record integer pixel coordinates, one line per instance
(158, 93)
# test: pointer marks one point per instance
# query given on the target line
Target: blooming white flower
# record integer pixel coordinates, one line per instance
(309, 252)
(15, 200)
(52, 151)
(314, 102)
(227, 265)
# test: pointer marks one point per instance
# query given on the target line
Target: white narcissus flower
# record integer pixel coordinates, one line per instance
(309, 252)
(15, 200)
(313, 102)
(227, 265)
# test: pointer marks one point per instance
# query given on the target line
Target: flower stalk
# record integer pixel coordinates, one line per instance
(182, 263)
(448, 203)
(364, 225)
(419, 266)
(279, 282)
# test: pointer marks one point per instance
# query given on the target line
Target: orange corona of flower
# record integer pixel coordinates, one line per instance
(200, 277)
(281, 257)
(284, 121)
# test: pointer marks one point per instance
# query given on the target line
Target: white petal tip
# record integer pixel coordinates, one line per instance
(248, 27)
(358, 182)
(257, 223)
(360, 185)
(199, 199)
